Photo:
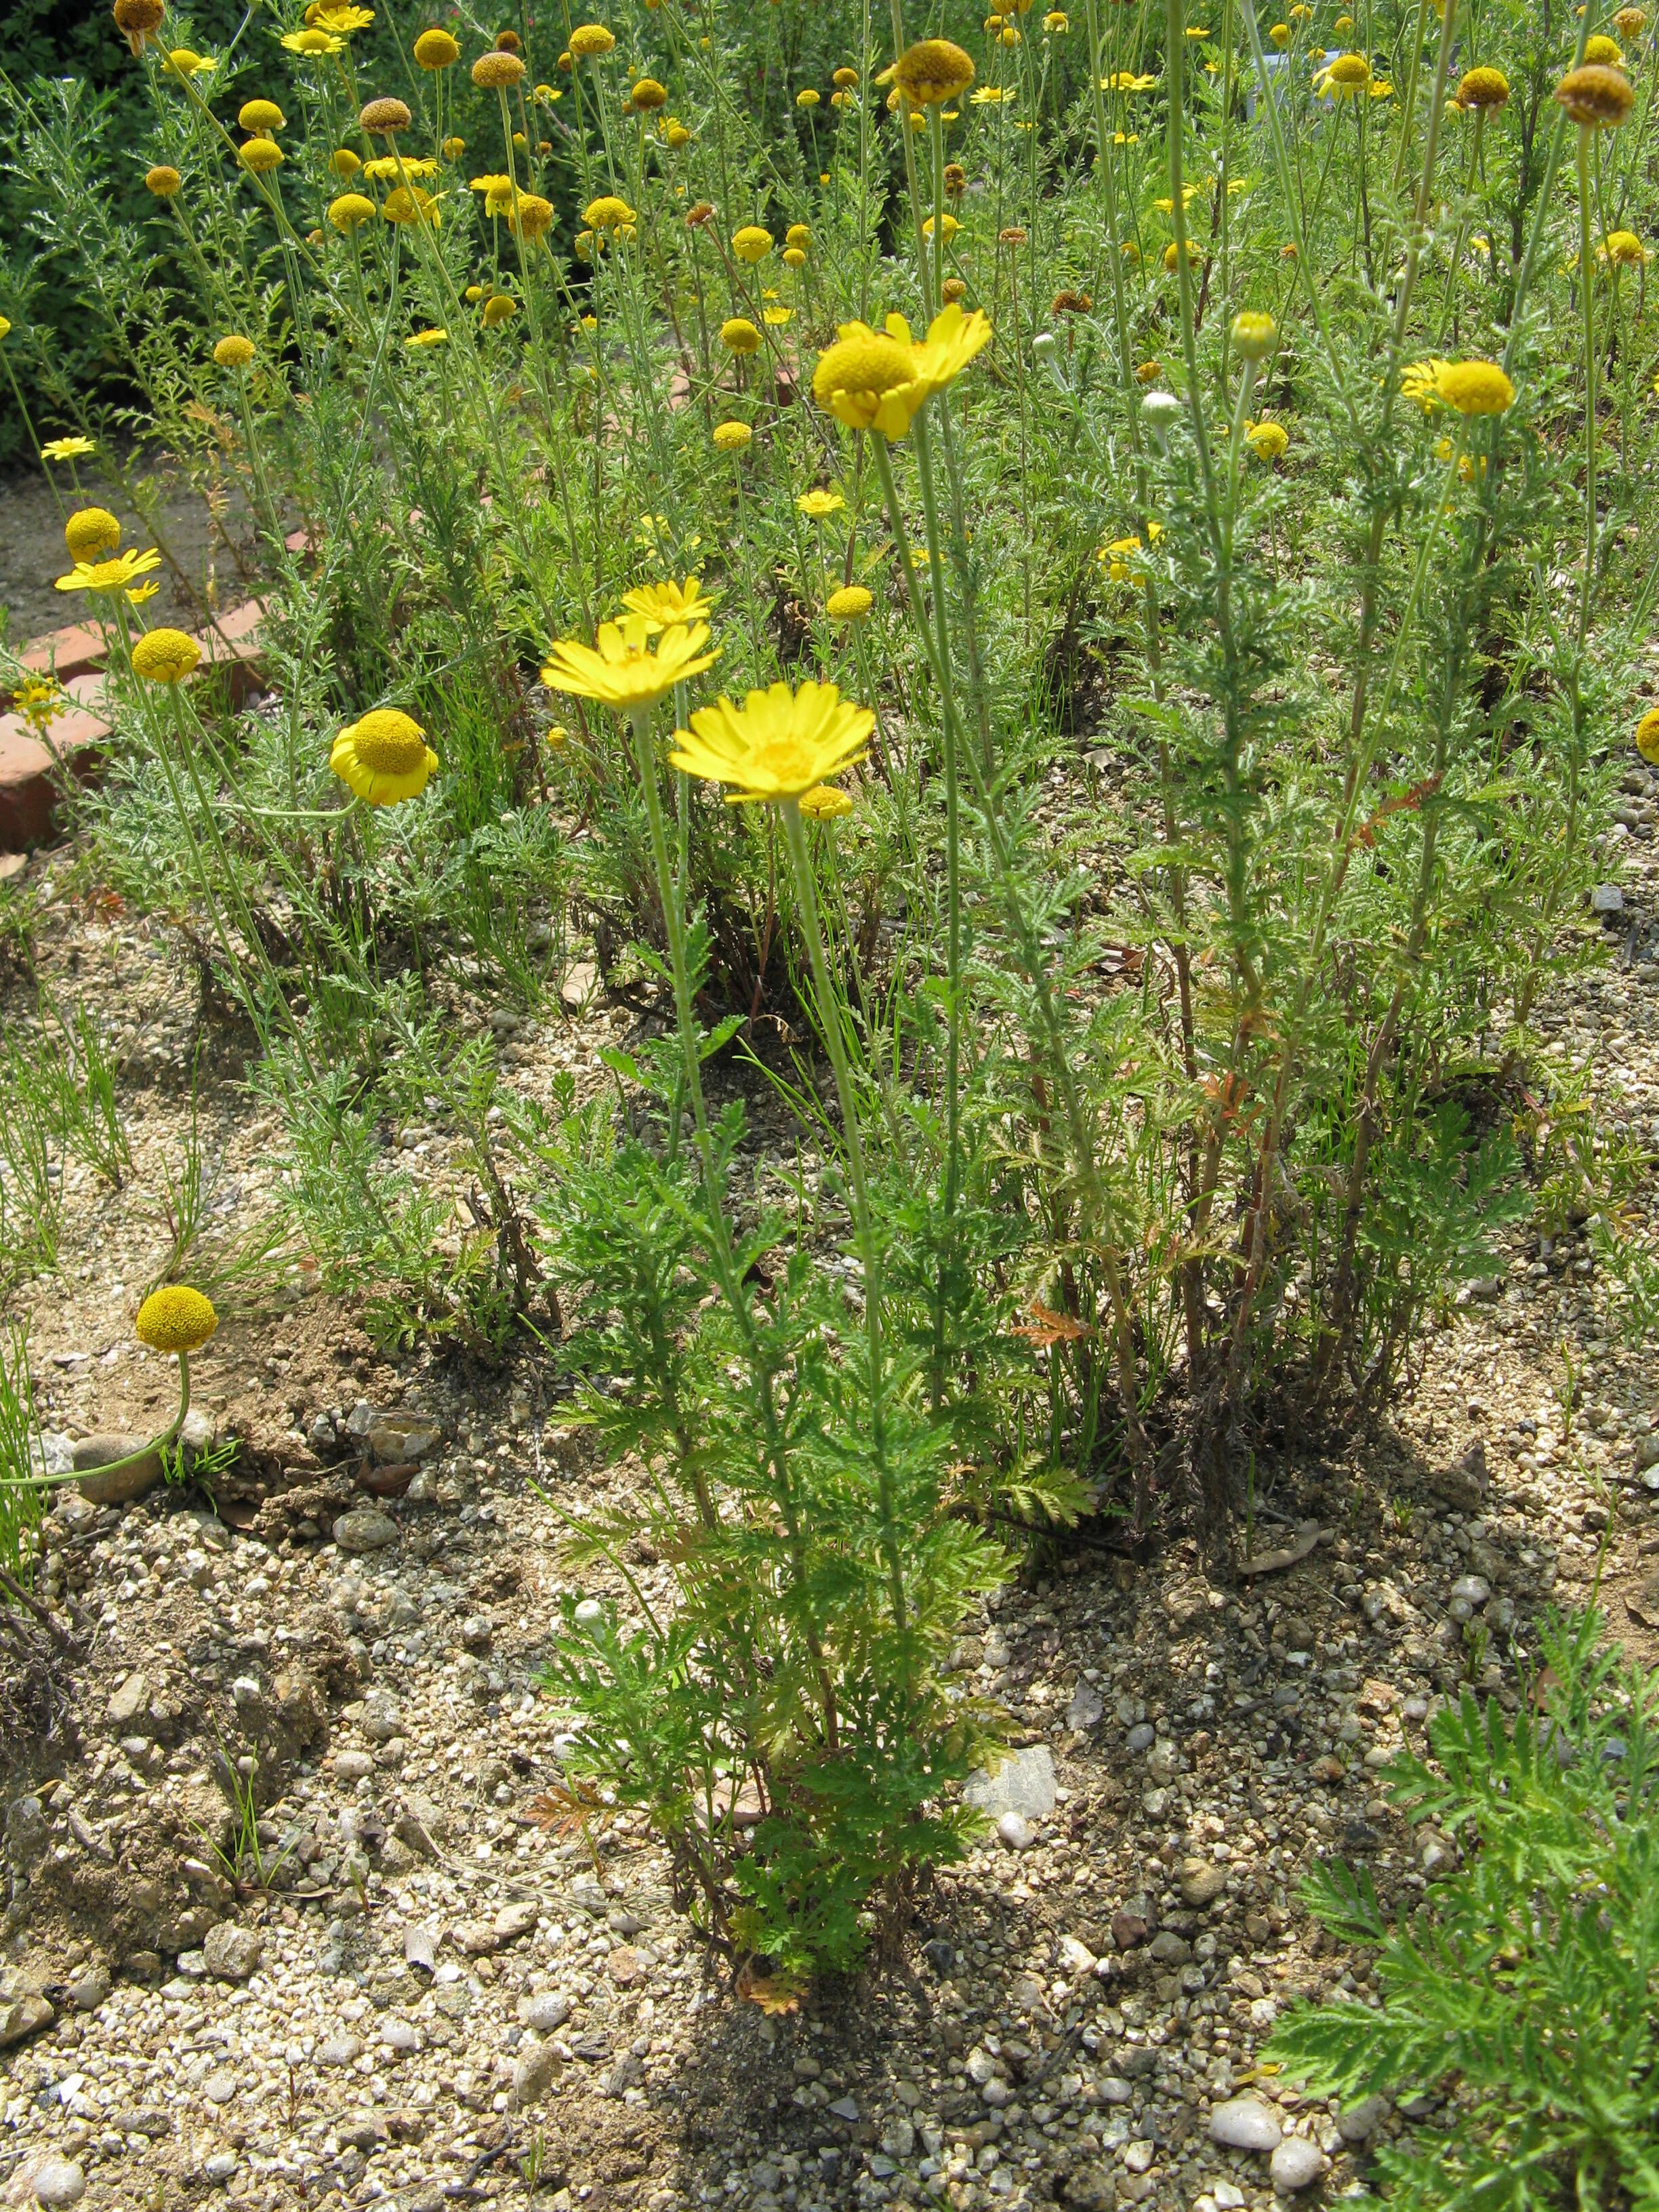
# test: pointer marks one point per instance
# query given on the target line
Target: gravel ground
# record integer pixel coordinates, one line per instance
(435, 1991)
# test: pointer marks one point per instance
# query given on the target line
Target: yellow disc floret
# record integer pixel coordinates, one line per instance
(175, 1318)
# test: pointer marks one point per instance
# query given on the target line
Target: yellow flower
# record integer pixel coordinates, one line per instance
(316, 45)
(91, 531)
(1419, 380)
(950, 224)
(530, 217)
(260, 115)
(850, 602)
(867, 378)
(1127, 81)
(175, 1319)
(731, 437)
(109, 575)
(820, 503)
(1596, 97)
(67, 449)
(751, 244)
(5, 327)
(436, 50)
(675, 136)
(163, 181)
(137, 596)
(183, 62)
(1473, 387)
(234, 352)
(740, 336)
(429, 337)
(384, 167)
(1267, 440)
(1647, 737)
(930, 72)
(261, 155)
(1624, 249)
(588, 41)
(343, 20)
(617, 670)
(1483, 87)
(384, 756)
(1056, 22)
(609, 213)
(409, 203)
(499, 308)
(824, 803)
(794, 257)
(954, 340)
(776, 317)
(649, 95)
(1347, 74)
(1280, 34)
(808, 97)
(1254, 335)
(1604, 50)
(344, 163)
(350, 209)
(165, 656)
(383, 118)
(777, 745)
(665, 606)
(497, 70)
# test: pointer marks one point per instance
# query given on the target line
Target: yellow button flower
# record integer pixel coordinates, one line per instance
(740, 336)
(1473, 387)
(731, 437)
(91, 531)
(384, 756)
(175, 1319)
(751, 244)
(165, 656)
(850, 602)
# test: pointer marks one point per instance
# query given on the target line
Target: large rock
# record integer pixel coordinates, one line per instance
(24, 2015)
(57, 2181)
(94, 1452)
(1023, 1784)
(1245, 2123)
(231, 1951)
(363, 1529)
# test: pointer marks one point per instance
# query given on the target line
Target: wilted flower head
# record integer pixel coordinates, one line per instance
(497, 71)
(530, 217)
(1596, 97)
(931, 72)
(1624, 249)
(139, 20)
(380, 118)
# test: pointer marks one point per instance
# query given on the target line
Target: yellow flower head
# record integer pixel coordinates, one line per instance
(647, 95)
(1347, 75)
(163, 181)
(429, 337)
(314, 44)
(436, 50)
(175, 1319)
(867, 378)
(620, 670)
(675, 136)
(260, 115)
(1419, 380)
(183, 62)
(751, 244)
(824, 803)
(1596, 97)
(109, 575)
(808, 97)
(409, 203)
(1624, 249)
(949, 227)
(1254, 335)
(67, 449)
(497, 71)
(662, 606)
(740, 336)
(589, 41)
(386, 166)
(261, 155)
(777, 745)
(1483, 87)
(1473, 387)
(348, 210)
(731, 437)
(1604, 50)
(165, 656)
(609, 213)
(1267, 440)
(794, 257)
(1647, 737)
(139, 19)
(531, 217)
(820, 503)
(384, 756)
(849, 604)
(339, 18)
(382, 118)
(5, 327)
(499, 308)
(1629, 21)
(91, 531)
(234, 352)
(931, 72)
(344, 163)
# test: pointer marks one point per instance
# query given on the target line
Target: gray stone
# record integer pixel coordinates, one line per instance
(198, 1436)
(401, 2036)
(219, 2167)
(320, 1436)
(579, 985)
(363, 1529)
(1297, 2164)
(1085, 1708)
(845, 2108)
(1356, 2123)
(899, 2138)
(59, 2181)
(547, 2013)
(131, 1699)
(1606, 898)
(232, 1952)
(536, 2069)
(1245, 2123)
(23, 2016)
(396, 1438)
(1023, 1782)
(126, 1482)
(476, 1631)
(1201, 1883)
(1142, 1736)
(88, 1990)
(27, 1831)
(382, 1716)
(219, 2088)
(515, 1920)
(360, 1420)
(339, 2050)
(352, 1767)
